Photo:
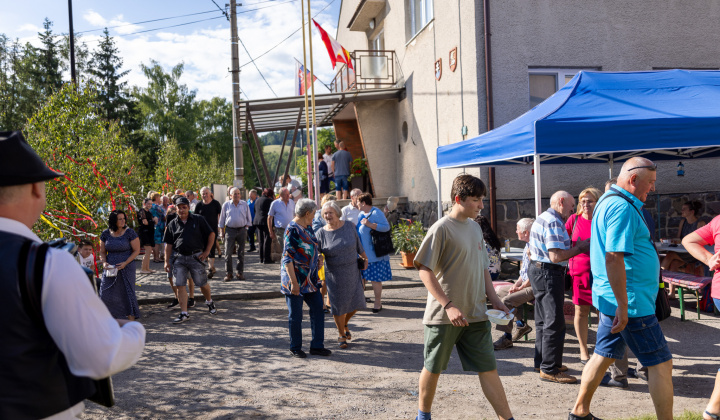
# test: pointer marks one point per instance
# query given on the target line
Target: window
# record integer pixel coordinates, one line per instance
(545, 82)
(421, 12)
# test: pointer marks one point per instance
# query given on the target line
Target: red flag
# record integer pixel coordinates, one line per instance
(336, 51)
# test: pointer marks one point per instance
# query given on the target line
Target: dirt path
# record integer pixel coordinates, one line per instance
(235, 366)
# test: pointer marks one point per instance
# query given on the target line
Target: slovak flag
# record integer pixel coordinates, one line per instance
(303, 82)
(336, 51)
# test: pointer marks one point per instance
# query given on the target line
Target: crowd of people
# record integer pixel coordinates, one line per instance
(604, 245)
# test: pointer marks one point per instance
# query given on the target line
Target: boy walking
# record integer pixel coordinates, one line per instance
(455, 313)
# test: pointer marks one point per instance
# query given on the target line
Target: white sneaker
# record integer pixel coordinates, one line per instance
(181, 318)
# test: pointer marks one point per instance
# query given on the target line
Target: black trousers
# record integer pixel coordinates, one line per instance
(264, 243)
(251, 237)
(549, 289)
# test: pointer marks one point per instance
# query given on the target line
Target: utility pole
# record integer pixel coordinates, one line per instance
(239, 172)
(72, 45)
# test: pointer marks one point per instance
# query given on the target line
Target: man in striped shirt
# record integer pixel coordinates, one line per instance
(550, 246)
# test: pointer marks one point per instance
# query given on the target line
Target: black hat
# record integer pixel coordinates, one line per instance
(182, 200)
(19, 164)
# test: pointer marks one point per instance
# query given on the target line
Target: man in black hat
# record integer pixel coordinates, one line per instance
(191, 238)
(49, 358)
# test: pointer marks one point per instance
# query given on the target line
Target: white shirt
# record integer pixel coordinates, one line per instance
(79, 323)
(350, 214)
(235, 216)
(282, 213)
(88, 262)
(328, 159)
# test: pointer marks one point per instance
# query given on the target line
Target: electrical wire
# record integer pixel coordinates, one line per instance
(145, 21)
(256, 66)
(288, 37)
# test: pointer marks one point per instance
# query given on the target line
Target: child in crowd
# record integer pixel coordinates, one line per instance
(85, 254)
(453, 264)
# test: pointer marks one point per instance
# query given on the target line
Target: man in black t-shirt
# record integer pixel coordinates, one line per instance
(210, 209)
(189, 239)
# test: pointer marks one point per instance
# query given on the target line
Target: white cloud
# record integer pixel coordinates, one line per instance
(94, 18)
(29, 27)
(121, 26)
(206, 53)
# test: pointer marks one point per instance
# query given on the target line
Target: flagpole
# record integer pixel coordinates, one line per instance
(307, 114)
(316, 177)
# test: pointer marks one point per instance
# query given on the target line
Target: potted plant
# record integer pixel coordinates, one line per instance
(359, 168)
(407, 238)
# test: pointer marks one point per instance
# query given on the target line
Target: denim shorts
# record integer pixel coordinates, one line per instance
(643, 335)
(184, 266)
(341, 183)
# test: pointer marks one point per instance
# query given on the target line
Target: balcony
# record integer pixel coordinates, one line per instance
(374, 69)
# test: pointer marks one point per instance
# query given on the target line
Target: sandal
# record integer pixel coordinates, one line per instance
(712, 416)
(347, 333)
(158, 261)
(342, 342)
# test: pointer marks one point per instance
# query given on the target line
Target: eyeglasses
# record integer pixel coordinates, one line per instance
(652, 167)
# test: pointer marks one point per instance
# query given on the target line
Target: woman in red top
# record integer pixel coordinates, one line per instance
(579, 227)
(695, 243)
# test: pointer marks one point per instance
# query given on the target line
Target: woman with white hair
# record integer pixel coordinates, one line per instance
(300, 282)
(340, 243)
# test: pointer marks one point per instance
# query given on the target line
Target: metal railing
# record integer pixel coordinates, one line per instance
(373, 69)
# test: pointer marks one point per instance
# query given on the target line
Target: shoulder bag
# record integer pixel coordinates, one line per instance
(662, 302)
(382, 241)
(30, 284)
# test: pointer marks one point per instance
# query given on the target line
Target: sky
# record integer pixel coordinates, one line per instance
(201, 42)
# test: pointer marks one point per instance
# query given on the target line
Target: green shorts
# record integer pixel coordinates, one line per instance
(474, 346)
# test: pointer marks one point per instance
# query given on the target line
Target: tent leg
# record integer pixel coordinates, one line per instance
(538, 185)
(611, 161)
(439, 195)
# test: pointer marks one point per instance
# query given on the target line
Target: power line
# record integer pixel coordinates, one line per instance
(256, 66)
(288, 37)
(274, 3)
(145, 21)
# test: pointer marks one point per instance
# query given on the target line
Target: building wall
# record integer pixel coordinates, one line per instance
(414, 154)
(609, 35)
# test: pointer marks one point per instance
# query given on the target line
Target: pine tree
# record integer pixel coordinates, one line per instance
(105, 68)
(46, 76)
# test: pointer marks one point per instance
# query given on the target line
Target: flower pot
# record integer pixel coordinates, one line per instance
(407, 259)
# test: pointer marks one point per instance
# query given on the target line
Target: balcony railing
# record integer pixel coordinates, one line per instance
(374, 69)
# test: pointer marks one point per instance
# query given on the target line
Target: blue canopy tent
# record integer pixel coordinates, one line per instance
(605, 117)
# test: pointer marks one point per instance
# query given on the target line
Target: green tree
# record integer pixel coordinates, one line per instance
(46, 72)
(168, 108)
(179, 168)
(215, 129)
(100, 171)
(105, 68)
(326, 137)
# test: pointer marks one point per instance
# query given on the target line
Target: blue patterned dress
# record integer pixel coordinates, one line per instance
(118, 293)
(158, 211)
(302, 249)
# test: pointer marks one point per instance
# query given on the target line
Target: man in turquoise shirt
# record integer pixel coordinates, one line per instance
(626, 269)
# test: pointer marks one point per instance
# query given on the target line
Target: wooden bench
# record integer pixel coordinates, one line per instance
(688, 282)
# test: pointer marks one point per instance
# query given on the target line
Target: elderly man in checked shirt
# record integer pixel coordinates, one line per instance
(234, 221)
(550, 246)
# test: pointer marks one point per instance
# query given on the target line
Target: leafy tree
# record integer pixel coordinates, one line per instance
(82, 58)
(326, 136)
(179, 168)
(215, 128)
(168, 108)
(100, 171)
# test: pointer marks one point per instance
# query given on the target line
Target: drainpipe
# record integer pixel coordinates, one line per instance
(489, 108)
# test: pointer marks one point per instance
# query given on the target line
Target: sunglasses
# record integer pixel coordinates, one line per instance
(652, 167)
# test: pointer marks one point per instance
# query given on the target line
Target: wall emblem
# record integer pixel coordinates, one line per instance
(453, 59)
(438, 68)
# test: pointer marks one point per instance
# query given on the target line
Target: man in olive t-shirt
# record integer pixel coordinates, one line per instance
(453, 264)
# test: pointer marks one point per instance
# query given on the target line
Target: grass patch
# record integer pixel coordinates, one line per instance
(686, 415)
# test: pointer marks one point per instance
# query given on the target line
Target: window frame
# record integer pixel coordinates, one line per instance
(427, 15)
(560, 73)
